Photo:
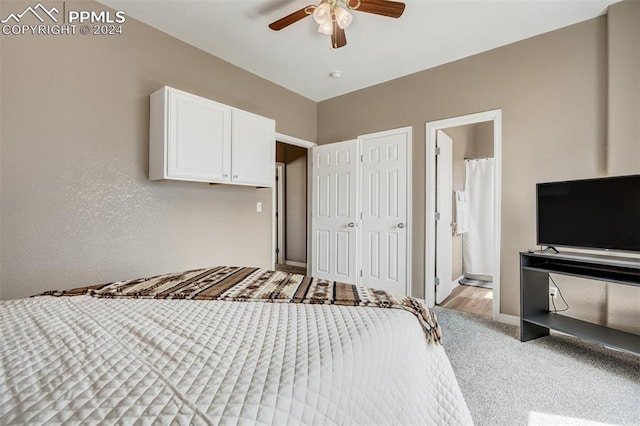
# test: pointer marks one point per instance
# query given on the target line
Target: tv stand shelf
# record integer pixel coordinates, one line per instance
(535, 318)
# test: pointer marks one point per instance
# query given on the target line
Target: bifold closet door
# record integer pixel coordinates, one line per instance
(334, 228)
(384, 210)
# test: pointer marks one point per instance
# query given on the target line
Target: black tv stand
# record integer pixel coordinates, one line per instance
(551, 248)
(535, 318)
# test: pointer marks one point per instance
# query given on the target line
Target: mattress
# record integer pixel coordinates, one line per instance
(98, 360)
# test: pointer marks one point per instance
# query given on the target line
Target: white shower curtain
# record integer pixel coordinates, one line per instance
(477, 244)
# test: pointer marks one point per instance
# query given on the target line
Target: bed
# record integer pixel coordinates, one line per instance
(224, 345)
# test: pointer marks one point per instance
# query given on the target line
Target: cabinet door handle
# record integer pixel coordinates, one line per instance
(351, 225)
(225, 175)
(401, 225)
(235, 176)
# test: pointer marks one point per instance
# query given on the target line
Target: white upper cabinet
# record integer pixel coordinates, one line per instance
(191, 136)
(253, 141)
(195, 139)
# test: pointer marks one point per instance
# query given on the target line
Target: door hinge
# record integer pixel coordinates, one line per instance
(361, 158)
(436, 280)
(360, 215)
(437, 150)
(277, 251)
(361, 272)
(437, 215)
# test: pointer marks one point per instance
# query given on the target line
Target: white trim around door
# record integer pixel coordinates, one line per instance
(430, 205)
(280, 214)
(290, 140)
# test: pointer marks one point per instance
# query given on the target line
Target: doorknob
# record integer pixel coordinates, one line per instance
(351, 225)
(401, 225)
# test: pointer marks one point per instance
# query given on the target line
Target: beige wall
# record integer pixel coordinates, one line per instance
(624, 88)
(77, 207)
(552, 91)
(623, 302)
(295, 160)
(483, 140)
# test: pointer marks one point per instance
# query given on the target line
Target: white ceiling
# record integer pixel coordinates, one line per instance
(430, 33)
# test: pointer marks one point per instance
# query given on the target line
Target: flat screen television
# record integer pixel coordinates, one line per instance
(601, 213)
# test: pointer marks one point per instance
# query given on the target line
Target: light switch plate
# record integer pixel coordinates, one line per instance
(259, 207)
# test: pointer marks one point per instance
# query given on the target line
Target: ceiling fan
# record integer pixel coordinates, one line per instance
(333, 16)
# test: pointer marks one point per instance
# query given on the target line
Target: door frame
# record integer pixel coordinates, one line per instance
(280, 208)
(430, 207)
(291, 140)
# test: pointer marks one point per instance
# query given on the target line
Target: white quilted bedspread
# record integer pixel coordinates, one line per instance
(87, 360)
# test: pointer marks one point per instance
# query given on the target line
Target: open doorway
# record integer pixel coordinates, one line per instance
(282, 139)
(466, 177)
(463, 213)
(291, 208)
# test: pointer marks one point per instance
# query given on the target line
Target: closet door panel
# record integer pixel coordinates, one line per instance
(384, 211)
(334, 230)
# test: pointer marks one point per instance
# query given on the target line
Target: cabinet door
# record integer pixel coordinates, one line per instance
(198, 139)
(253, 155)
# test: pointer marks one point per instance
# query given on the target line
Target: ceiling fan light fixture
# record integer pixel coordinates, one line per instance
(326, 27)
(343, 17)
(322, 14)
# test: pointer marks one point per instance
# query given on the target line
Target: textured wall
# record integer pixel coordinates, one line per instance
(623, 153)
(552, 91)
(77, 207)
(483, 140)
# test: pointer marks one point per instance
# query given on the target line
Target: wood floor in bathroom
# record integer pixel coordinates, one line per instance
(474, 300)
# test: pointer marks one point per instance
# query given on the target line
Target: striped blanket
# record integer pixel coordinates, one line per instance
(230, 283)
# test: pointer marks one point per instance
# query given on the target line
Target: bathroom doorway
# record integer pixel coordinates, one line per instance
(463, 199)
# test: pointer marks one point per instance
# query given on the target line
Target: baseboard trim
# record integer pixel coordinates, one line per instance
(294, 263)
(455, 283)
(508, 319)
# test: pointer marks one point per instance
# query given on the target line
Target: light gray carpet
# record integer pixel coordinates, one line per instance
(554, 380)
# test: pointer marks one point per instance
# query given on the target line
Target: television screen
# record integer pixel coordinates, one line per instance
(599, 213)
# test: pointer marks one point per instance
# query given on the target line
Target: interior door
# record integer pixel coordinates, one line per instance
(444, 194)
(334, 230)
(384, 210)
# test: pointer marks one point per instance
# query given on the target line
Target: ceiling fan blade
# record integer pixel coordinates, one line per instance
(291, 19)
(271, 6)
(392, 9)
(338, 37)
